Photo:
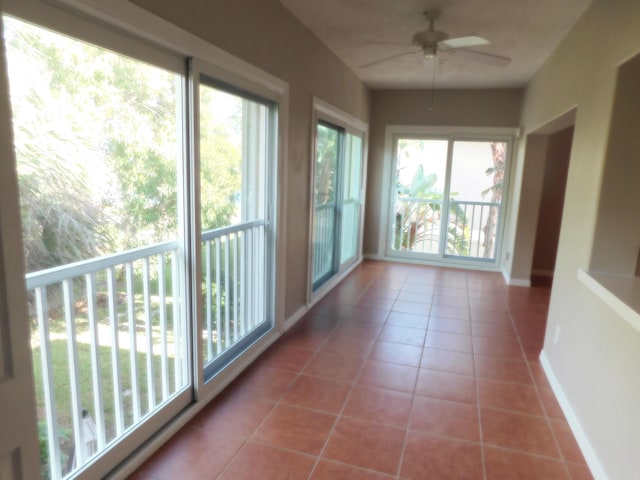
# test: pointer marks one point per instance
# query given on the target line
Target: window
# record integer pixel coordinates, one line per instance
(447, 197)
(135, 236)
(98, 151)
(236, 159)
(337, 198)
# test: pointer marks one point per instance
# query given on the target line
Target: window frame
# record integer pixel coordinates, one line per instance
(202, 73)
(451, 135)
(325, 113)
(83, 30)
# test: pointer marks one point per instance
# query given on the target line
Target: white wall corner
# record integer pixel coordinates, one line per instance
(515, 282)
(580, 435)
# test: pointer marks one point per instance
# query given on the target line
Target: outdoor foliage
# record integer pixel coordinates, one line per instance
(417, 222)
(97, 150)
(99, 161)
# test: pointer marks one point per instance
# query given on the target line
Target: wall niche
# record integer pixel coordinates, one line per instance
(616, 242)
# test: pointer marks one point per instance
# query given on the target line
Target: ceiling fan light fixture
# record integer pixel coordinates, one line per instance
(429, 52)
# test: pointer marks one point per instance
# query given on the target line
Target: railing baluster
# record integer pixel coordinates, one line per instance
(42, 311)
(325, 240)
(254, 278)
(133, 341)
(208, 319)
(74, 374)
(227, 288)
(218, 300)
(250, 296)
(473, 219)
(480, 230)
(471, 226)
(235, 287)
(115, 352)
(177, 323)
(260, 278)
(151, 391)
(321, 243)
(164, 367)
(243, 298)
(96, 373)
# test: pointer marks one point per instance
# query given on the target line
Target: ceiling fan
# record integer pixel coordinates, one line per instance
(432, 42)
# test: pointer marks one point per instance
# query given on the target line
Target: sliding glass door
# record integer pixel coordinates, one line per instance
(236, 152)
(447, 202)
(98, 139)
(149, 246)
(337, 201)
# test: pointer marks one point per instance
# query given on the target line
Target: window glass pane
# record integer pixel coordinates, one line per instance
(350, 222)
(328, 147)
(420, 183)
(476, 194)
(234, 159)
(221, 154)
(98, 143)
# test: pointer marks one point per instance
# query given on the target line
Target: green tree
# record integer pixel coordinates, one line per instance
(62, 218)
(98, 150)
(498, 155)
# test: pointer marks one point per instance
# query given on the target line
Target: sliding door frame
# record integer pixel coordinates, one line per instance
(205, 74)
(164, 44)
(324, 113)
(451, 135)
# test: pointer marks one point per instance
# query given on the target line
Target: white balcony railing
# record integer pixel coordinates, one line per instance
(234, 295)
(470, 230)
(323, 240)
(109, 335)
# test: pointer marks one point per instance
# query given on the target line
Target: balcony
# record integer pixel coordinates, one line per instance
(110, 342)
(470, 230)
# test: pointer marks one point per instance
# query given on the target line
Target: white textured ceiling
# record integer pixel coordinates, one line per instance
(527, 31)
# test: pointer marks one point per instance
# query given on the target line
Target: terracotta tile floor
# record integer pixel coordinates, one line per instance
(401, 372)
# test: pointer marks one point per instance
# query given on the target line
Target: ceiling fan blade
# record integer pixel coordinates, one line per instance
(382, 60)
(481, 57)
(463, 42)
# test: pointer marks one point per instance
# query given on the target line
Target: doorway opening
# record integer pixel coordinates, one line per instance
(555, 163)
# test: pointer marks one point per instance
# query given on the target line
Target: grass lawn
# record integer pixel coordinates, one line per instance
(61, 381)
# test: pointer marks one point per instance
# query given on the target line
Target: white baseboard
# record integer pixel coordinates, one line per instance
(293, 319)
(588, 452)
(515, 282)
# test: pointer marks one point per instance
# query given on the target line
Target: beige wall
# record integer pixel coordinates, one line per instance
(265, 34)
(617, 236)
(597, 355)
(458, 108)
(526, 191)
(552, 201)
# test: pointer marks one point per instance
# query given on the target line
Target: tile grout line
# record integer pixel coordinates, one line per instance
(537, 389)
(339, 415)
(544, 409)
(413, 396)
(478, 409)
(278, 402)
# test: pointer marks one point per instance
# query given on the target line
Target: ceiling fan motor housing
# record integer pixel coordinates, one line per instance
(429, 40)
